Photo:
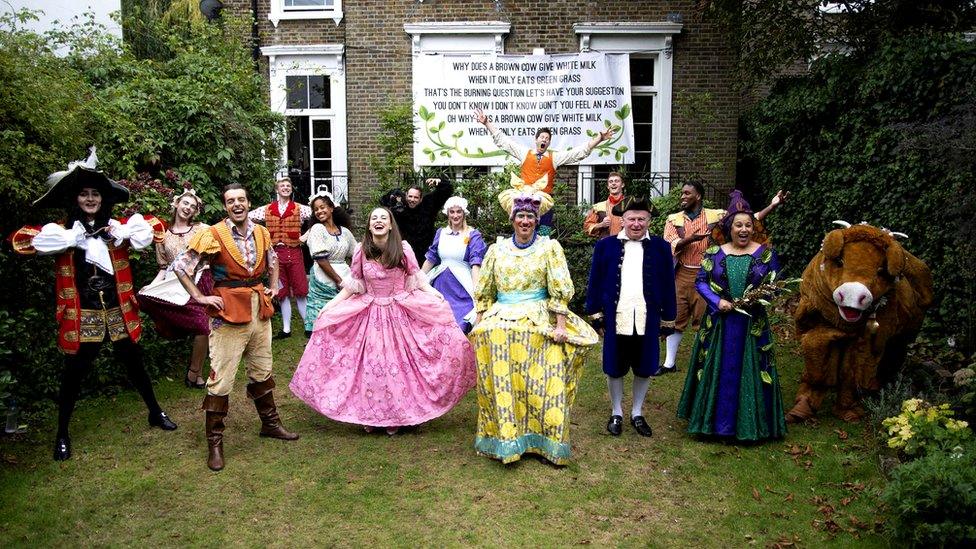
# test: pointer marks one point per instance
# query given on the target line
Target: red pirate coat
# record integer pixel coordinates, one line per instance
(68, 312)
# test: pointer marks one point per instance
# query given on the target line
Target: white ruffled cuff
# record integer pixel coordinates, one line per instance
(136, 230)
(353, 285)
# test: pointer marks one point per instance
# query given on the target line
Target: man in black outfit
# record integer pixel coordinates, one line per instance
(416, 213)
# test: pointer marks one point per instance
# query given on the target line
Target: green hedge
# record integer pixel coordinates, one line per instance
(844, 140)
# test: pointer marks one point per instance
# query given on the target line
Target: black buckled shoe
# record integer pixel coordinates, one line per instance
(641, 426)
(616, 425)
(282, 335)
(162, 421)
(665, 370)
(62, 448)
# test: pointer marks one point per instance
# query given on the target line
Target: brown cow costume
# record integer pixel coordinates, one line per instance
(862, 301)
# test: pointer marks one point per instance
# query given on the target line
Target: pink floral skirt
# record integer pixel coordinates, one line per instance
(386, 361)
(179, 321)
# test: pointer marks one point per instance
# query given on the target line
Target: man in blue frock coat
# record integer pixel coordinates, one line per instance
(631, 297)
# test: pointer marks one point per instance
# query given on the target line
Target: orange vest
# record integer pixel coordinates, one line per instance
(285, 227)
(68, 312)
(533, 169)
(233, 282)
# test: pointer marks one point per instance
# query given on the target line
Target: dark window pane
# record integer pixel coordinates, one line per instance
(321, 128)
(643, 137)
(297, 92)
(318, 92)
(642, 162)
(322, 148)
(308, 3)
(323, 169)
(298, 142)
(641, 71)
(643, 107)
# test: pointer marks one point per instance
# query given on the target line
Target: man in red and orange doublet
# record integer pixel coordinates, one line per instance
(95, 300)
(539, 162)
(284, 218)
(239, 253)
(602, 219)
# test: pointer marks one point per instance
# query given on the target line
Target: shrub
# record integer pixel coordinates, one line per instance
(922, 428)
(931, 501)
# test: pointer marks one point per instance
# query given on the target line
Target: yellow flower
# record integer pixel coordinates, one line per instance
(518, 382)
(497, 336)
(536, 340)
(535, 401)
(554, 417)
(500, 368)
(536, 371)
(491, 429)
(518, 352)
(534, 425)
(508, 430)
(520, 410)
(555, 386)
(503, 400)
(554, 355)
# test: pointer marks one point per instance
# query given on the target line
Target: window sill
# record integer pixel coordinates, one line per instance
(276, 16)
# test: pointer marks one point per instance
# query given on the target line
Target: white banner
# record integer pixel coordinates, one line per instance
(575, 95)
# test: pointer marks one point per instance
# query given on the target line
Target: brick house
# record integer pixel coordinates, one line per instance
(332, 64)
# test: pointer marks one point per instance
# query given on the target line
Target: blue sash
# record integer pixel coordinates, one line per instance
(511, 298)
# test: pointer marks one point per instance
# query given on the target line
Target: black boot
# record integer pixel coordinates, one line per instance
(62, 448)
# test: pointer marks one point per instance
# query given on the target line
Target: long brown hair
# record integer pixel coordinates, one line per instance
(391, 254)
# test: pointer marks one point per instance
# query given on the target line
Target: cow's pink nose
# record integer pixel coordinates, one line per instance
(841, 294)
(860, 300)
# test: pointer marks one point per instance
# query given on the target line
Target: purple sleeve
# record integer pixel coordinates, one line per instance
(704, 287)
(431, 254)
(476, 248)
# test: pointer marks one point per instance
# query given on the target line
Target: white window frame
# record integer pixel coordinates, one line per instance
(648, 40)
(278, 12)
(319, 59)
(458, 37)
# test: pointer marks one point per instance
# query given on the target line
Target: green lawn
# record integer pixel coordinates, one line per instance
(128, 484)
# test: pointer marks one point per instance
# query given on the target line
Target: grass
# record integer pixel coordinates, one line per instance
(128, 484)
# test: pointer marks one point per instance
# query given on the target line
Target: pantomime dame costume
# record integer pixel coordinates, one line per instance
(526, 380)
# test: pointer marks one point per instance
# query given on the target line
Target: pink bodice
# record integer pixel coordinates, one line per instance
(383, 282)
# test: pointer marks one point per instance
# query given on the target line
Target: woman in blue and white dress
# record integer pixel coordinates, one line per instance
(331, 244)
(454, 259)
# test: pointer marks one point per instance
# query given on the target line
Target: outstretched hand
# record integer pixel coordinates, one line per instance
(780, 198)
(480, 116)
(606, 135)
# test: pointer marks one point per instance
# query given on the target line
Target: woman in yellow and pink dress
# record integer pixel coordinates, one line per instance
(530, 348)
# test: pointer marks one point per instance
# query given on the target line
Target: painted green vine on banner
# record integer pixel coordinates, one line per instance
(447, 144)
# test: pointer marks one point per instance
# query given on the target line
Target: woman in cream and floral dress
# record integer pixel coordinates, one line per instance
(331, 244)
(530, 348)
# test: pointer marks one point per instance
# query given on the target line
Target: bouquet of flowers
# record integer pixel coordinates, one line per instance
(768, 289)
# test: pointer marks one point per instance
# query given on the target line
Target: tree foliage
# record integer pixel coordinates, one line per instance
(771, 36)
(196, 113)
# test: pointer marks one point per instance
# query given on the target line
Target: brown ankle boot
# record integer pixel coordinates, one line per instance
(216, 409)
(261, 393)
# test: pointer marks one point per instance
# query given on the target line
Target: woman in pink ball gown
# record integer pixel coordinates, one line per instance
(386, 351)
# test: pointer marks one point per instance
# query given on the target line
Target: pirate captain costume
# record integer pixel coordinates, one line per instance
(95, 300)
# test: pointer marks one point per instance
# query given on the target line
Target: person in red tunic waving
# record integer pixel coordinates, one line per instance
(283, 219)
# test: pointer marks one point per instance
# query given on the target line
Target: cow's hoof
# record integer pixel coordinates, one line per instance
(800, 412)
(849, 415)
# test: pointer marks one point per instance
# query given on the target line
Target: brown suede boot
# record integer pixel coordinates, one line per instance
(216, 409)
(261, 393)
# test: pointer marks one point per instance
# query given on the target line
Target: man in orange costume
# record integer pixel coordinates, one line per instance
(284, 218)
(540, 162)
(239, 253)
